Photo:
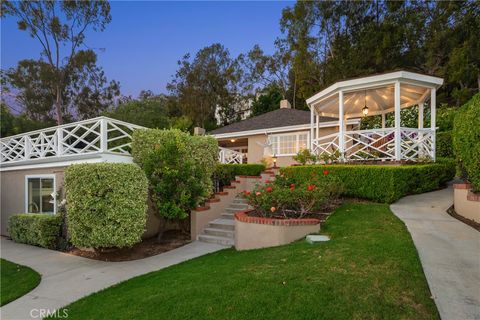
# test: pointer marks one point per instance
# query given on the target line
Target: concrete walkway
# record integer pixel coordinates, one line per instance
(449, 251)
(67, 278)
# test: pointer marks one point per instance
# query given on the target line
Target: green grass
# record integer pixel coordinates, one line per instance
(16, 280)
(369, 270)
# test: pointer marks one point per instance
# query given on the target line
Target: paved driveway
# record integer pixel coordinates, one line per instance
(449, 251)
(67, 278)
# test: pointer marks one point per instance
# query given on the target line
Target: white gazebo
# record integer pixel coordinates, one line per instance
(376, 95)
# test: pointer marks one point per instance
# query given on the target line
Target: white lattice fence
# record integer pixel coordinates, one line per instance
(229, 156)
(90, 136)
(417, 143)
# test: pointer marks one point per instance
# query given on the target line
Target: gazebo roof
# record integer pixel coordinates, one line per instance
(377, 92)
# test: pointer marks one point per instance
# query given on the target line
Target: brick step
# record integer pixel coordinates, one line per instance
(226, 224)
(219, 232)
(216, 239)
(239, 206)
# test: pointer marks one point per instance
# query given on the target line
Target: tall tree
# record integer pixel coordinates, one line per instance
(208, 83)
(65, 69)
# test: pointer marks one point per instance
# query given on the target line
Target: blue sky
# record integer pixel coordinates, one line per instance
(145, 40)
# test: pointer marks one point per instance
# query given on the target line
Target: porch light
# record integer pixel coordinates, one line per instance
(274, 158)
(232, 140)
(365, 109)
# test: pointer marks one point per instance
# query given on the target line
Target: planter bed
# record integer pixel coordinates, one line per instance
(253, 232)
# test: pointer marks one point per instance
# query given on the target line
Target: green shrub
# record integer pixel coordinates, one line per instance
(444, 144)
(466, 140)
(106, 204)
(178, 166)
(381, 183)
(284, 199)
(226, 173)
(304, 157)
(39, 229)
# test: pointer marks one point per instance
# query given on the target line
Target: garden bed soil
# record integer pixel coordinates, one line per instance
(149, 247)
(475, 225)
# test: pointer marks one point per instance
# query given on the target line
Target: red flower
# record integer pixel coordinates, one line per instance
(258, 193)
(247, 193)
(325, 172)
(292, 187)
(267, 181)
(273, 209)
(311, 187)
(269, 189)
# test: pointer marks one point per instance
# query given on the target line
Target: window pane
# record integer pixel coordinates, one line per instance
(33, 195)
(302, 141)
(47, 199)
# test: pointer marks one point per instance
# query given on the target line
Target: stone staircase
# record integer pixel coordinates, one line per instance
(222, 230)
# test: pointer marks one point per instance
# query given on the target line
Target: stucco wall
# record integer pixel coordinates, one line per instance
(469, 209)
(13, 191)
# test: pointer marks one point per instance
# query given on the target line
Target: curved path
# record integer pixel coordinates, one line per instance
(449, 251)
(67, 278)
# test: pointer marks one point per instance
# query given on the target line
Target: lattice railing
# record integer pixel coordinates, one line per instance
(96, 135)
(378, 144)
(229, 156)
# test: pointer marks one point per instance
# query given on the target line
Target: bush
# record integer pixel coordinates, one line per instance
(444, 144)
(304, 157)
(39, 229)
(178, 166)
(106, 204)
(284, 199)
(466, 140)
(381, 183)
(225, 173)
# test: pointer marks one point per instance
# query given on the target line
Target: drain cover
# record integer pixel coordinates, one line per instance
(316, 238)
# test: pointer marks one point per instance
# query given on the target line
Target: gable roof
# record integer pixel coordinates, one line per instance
(278, 118)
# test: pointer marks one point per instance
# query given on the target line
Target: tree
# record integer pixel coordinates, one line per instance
(209, 82)
(65, 72)
(267, 100)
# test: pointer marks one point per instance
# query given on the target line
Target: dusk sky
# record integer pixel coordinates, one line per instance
(145, 40)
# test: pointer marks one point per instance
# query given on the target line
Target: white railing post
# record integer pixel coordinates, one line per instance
(103, 135)
(26, 143)
(398, 134)
(433, 119)
(59, 141)
(341, 126)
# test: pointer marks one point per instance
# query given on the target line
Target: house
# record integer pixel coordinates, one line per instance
(32, 164)
(331, 127)
(277, 134)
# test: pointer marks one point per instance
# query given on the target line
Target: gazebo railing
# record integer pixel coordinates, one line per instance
(229, 156)
(97, 135)
(378, 144)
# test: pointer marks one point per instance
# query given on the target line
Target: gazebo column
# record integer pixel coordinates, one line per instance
(311, 126)
(341, 125)
(398, 136)
(421, 150)
(433, 119)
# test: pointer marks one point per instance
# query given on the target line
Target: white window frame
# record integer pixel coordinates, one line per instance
(297, 147)
(42, 176)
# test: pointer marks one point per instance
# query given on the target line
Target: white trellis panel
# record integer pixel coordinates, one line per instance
(97, 135)
(229, 156)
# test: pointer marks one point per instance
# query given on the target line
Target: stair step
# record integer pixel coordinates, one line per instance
(226, 224)
(219, 232)
(229, 216)
(237, 205)
(216, 239)
(233, 210)
(240, 201)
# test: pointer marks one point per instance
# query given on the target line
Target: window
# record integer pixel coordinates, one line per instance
(40, 194)
(288, 144)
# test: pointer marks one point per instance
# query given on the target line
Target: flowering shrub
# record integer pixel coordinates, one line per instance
(284, 199)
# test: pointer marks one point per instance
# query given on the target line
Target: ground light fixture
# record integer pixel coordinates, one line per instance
(274, 158)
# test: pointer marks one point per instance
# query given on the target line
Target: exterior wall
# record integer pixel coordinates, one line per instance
(13, 191)
(255, 148)
(466, 203)
(253, 236)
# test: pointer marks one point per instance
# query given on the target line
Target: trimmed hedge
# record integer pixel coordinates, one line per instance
(225, 173)
(38, 229)
(466, 140)
(106, 204)
(380, 183)
(178, 166)
(444, 144)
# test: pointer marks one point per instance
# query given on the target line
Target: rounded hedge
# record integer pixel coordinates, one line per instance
(466, 139)
(106, 204)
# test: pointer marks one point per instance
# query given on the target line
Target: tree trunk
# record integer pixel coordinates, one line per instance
(58, 106)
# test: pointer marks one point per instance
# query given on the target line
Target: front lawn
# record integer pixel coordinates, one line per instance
(369, 270)
(16, 280)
